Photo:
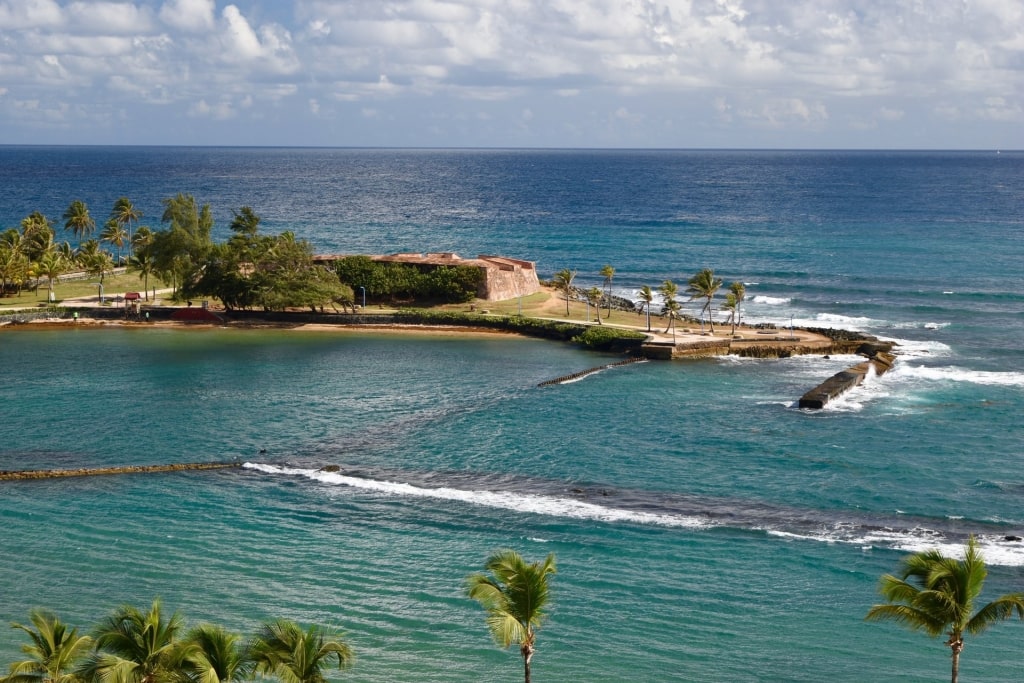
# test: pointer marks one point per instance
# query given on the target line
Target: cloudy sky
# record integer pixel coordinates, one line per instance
(943, 74)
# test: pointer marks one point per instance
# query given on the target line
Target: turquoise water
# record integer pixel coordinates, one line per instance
(705, 529)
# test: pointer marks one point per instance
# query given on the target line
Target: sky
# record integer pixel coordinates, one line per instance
(806, 74)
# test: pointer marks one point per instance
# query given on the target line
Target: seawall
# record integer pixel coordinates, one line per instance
(9, 475)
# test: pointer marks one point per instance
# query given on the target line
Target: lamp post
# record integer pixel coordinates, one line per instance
(364, 295)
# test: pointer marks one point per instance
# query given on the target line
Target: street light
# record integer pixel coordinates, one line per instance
(364, 295)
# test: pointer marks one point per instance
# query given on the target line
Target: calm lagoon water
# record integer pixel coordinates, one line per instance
(705, 529)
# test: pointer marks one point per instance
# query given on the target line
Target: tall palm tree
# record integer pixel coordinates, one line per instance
(37, 235)
(646, 295)
(284, 650)
(669, 292)
(937, 594)
(51, 265)
(563, 282)
(594, 296)
(133, 647)
(607, 273)
(211, 654)
(78, 220)
(731, 305)
(123, 213)
(740, 293)
(514, 594)
(143, 264)
(114, 234)
(704, 285)
(53, 652)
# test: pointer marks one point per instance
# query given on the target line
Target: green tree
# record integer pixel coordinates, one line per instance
(180, 250)
(211, 654)
(514, 595)
(124, 213)
(51, 266)
(133, 647)
(704, 285)
(607, 272)
(646, 295)
(37, 235)
(563, 283)
(739, 293)
(52, 653)
(731, 305)
(78, 220)
(594, 296)
(14, 267)
(669, 291)
(114, 234)
(142, 263)
(938, 594)
(294, 655)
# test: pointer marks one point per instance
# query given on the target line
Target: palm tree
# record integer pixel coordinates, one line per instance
(704, 285)
(607, 273)
(646, 295)
(739, 292)
(284, 650)
(731, 305)
(123, 213)
(142, 263)
(51, 266)
(114, 234)
(133, 647)
(210, 654)
(594, 299)
(563, 282)
(37, 235)
(78, 220)
(669, 291)
(936, 594)
(52, 653)
(514, 594)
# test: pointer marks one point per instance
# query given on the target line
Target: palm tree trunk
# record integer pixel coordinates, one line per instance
(527, 649)
(956, 645)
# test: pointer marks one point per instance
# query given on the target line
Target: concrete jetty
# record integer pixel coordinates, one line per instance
(817, 398)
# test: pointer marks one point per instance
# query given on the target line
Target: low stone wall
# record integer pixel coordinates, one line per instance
(9, 475)
(841, 382)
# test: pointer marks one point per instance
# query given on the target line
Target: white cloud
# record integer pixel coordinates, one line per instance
(22, 14)
(188, 15)
(118, 18)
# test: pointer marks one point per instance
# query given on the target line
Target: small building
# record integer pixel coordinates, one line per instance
(504, 278)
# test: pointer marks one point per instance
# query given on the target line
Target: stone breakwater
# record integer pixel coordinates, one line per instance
(583, 373)
(13, 475)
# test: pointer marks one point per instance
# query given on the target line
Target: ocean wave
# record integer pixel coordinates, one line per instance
(957, 374)
(771, 300)
(504, 500)
(899, 532)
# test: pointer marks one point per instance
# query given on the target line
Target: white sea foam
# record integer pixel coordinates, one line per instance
(770, 300)
(505, 500)
(995, 549)
(956, 374)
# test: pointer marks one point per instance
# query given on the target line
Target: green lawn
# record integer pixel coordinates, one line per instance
(88, 286)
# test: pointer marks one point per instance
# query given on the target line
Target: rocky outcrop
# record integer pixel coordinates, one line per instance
(9, 475)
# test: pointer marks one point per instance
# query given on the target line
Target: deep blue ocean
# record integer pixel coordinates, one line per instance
(705, 528)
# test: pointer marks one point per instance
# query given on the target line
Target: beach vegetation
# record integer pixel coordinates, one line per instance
(211, 654)
(563, 283)
(938, 595)
(133, 646)
(124, 214)
(115, 235)
(594, 297)
(609, 338)
(53, 651)
(515, 595)
(77, 219)
(738, 292)
(607, 272)
(646, 296)
(406, 282)
(670, 308)
(704, 285)
(296, 655)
